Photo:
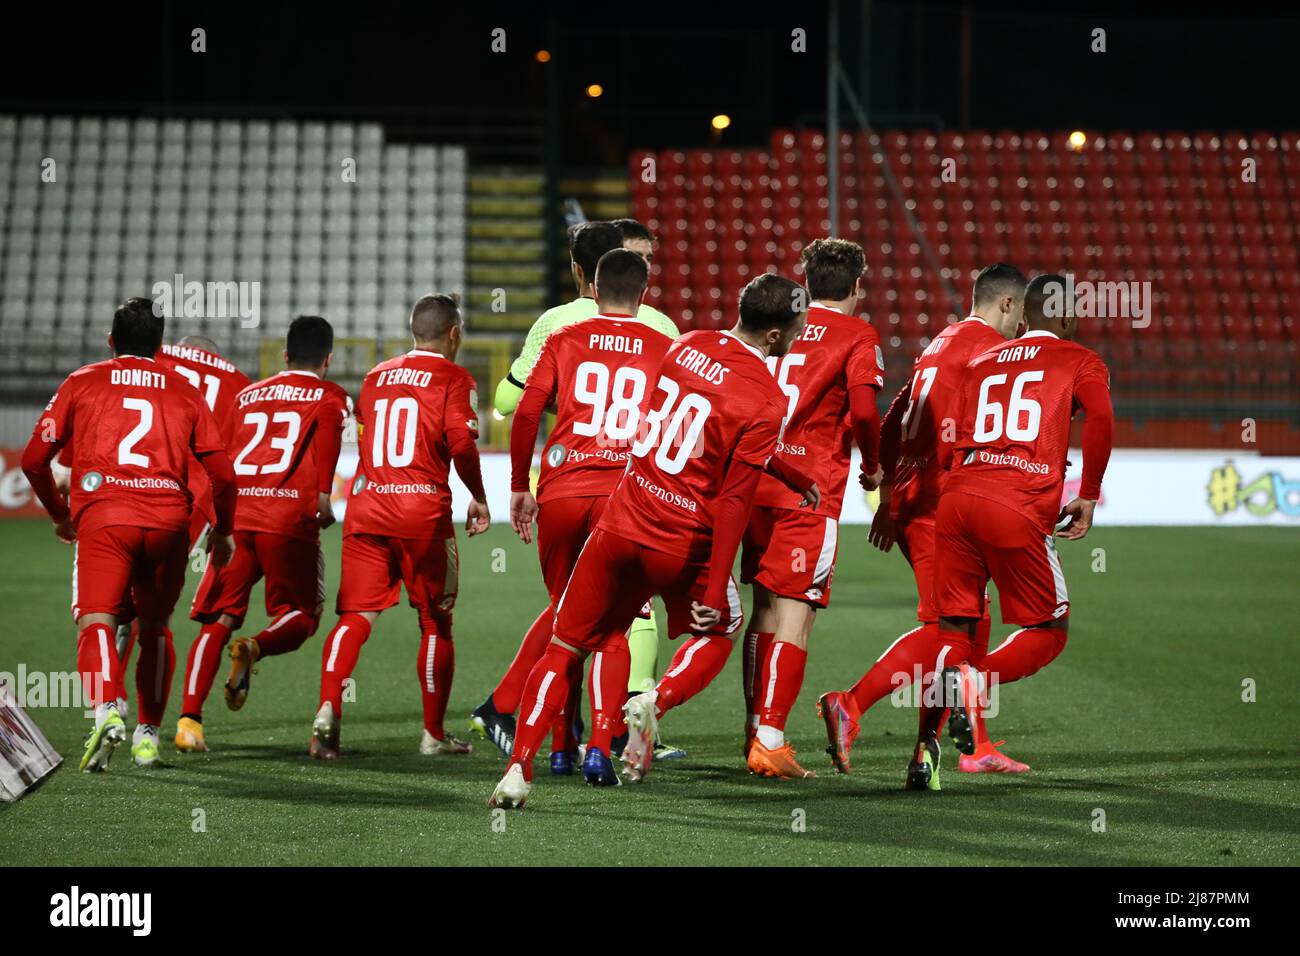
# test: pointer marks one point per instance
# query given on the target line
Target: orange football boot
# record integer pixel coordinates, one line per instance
(988, 759)
(780, 762)
(840, 711)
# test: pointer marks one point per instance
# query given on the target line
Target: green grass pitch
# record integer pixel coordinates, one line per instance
(1142, 717)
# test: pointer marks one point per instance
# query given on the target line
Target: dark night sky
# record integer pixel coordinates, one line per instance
(666, 66)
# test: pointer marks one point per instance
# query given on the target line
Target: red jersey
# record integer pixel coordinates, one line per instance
(936, 378)
(134, 424)
(217, 379)
(414, 409)
(284, 441)
(597, 372)
(835, 353)
(1015, 406)
(715, 402)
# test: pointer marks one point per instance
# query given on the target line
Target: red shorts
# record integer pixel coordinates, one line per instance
(915, 537)
(790, 553)
(295, 578)
(614, 579)
(563, 526)
(376, 566)
(120, 567)
(977, 539)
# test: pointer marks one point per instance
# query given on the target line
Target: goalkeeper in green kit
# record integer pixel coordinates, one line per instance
(494, 719)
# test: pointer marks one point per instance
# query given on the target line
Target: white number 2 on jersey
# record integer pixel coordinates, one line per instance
(990, 416)
(282, 443)
(618, 419)
(673, 445)
(126, 454)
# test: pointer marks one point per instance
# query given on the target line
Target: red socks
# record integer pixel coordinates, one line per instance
(1024, 653)
(562, 737)
(201, 667)
(754, 679)
(607, 686)
(545, 692)
(153, 675)
(898, 666)
(436, 665)
(783, 670)
(339, 657)
(507, 695)
(286, 633)
(98, 664)
(693, 667)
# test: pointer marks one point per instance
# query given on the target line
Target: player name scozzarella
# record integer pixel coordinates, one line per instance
(138, 378)
(280, 393)
(693, 360)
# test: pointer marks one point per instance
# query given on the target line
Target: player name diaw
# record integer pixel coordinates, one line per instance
(709, 369)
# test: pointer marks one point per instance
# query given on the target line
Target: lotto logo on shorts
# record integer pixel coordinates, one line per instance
(555, 455)
(91, 481)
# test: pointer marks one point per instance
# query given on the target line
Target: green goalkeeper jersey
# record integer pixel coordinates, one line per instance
(511, 387)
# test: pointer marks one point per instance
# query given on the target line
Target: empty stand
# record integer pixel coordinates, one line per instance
(1169, 209)
(134, 202)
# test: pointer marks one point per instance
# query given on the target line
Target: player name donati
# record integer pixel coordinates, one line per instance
(138, 378)
(281, 393)
(705, 366)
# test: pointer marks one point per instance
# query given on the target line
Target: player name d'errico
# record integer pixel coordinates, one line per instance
(402, 375)
(706, 367)
(280, 393)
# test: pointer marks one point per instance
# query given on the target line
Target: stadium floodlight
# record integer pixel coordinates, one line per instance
(1077, 140)
(542, 56)
(721, 121)
(595, 90)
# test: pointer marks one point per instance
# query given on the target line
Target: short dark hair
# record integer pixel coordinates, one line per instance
(621, 277)
(309, 341)
(433, 316)
(771, 301)
(588, 241)
(631, 229)
(199, 342)
(831, 267)
(1038, 291)
(997, 280)
(138, 328)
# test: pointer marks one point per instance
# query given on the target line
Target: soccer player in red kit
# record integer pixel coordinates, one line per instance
(133, 424)
(910, 437)
(418, 416)
(1001, 503)
(284, 439)
(597, 373)
(831, 376)
(197, 359)
(672, 525)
